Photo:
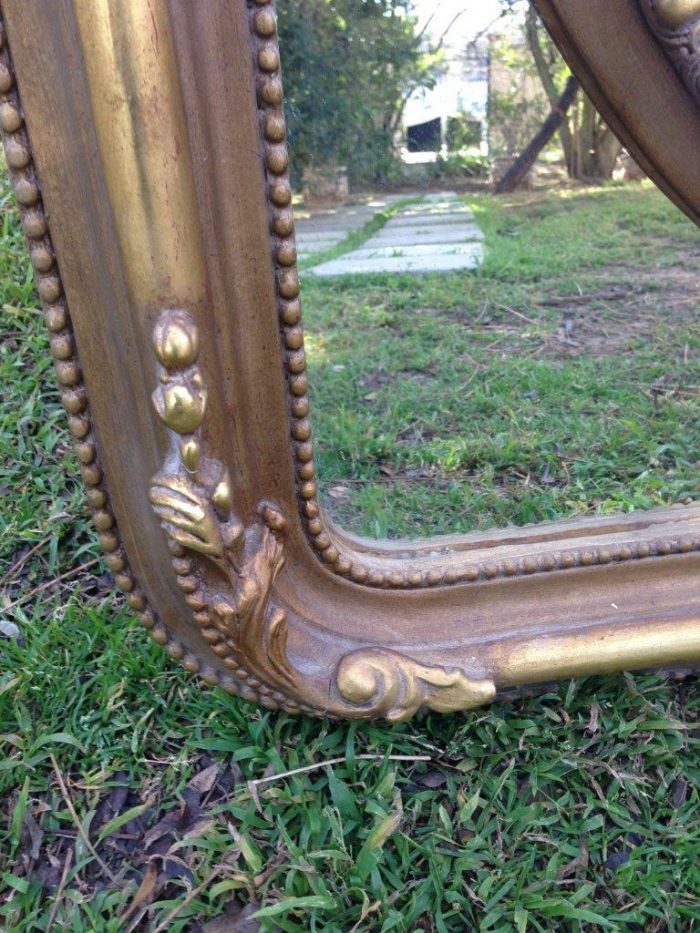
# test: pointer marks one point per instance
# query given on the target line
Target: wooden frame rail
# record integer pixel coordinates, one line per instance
(146, 142)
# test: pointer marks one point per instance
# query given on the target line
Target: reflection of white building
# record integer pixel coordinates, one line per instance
(461, 89)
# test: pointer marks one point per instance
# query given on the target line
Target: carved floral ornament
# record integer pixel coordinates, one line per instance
(677, 25)
(226, 570)
(232, 565)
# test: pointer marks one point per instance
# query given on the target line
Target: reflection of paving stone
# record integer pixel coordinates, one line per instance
(334, 223)
(325, 229)
(425, 208)
(440, 196)
(404, 219)
(421, 249)
(319, 240)
(437, 235)
(467, 256)
(407, 236)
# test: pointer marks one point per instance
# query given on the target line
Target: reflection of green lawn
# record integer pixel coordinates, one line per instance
(562, 379)
(576, 810)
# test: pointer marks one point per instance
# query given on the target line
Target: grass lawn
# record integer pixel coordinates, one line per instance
(562, 379)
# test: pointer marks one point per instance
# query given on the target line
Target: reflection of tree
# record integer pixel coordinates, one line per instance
(589, 147)
(554, 121)
(350, 68)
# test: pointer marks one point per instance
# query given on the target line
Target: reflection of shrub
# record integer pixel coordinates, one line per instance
(462, 164)
(348, 66)
(463, 132)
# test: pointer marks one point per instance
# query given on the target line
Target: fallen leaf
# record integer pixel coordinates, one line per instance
(433, 779)
(592, 726)
(199, 829)
(205, 780)
(162, 828)
(617, 859)
(145, 893)
(177, 868)
(116, 800)
(679, 792)
(581, 861)
(34, 832)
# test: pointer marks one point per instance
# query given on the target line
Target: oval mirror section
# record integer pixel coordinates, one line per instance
(500, 305)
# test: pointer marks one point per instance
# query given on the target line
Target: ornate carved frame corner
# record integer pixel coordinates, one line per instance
(156, 201)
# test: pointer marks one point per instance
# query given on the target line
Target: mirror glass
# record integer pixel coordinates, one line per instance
(500, 309)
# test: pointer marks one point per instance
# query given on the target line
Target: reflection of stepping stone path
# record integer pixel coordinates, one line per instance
(436, 235)
(325, 229)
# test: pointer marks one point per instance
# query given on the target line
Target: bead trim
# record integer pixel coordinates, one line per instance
(331, 552)
(25, 184)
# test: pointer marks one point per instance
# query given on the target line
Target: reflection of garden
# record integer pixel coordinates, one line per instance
(549, 384)
(383, 93)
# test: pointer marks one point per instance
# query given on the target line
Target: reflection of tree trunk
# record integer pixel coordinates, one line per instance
(609, 149)
(587, 146)
(550, 88)
(526, 160)
(598, 146)
(591, 150)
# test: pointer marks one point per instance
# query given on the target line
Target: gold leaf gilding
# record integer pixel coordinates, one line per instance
(382, 682)
(676, 13)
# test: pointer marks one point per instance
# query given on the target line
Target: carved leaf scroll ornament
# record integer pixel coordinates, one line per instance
(676, 23)
(225, 569)
(396, 687)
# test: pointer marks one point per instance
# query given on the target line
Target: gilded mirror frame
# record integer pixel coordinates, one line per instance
(146, 143)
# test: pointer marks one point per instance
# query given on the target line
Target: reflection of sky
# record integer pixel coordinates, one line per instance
(454, 92)
(478, 15)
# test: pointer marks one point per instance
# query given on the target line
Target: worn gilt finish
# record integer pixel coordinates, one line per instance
(224, 569)
(677, 24)
(159, 137)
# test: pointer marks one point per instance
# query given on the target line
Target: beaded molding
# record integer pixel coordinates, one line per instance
(27, 191)
(338, 559)
(372, 682)
(224, 568)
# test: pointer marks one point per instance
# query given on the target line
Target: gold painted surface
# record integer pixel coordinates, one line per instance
(193, 499)
(139, 119)
(380, 682)
(676, 13)
(587, 652)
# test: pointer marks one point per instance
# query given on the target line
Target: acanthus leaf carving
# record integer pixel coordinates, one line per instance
(380, 682)
(226, 569)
